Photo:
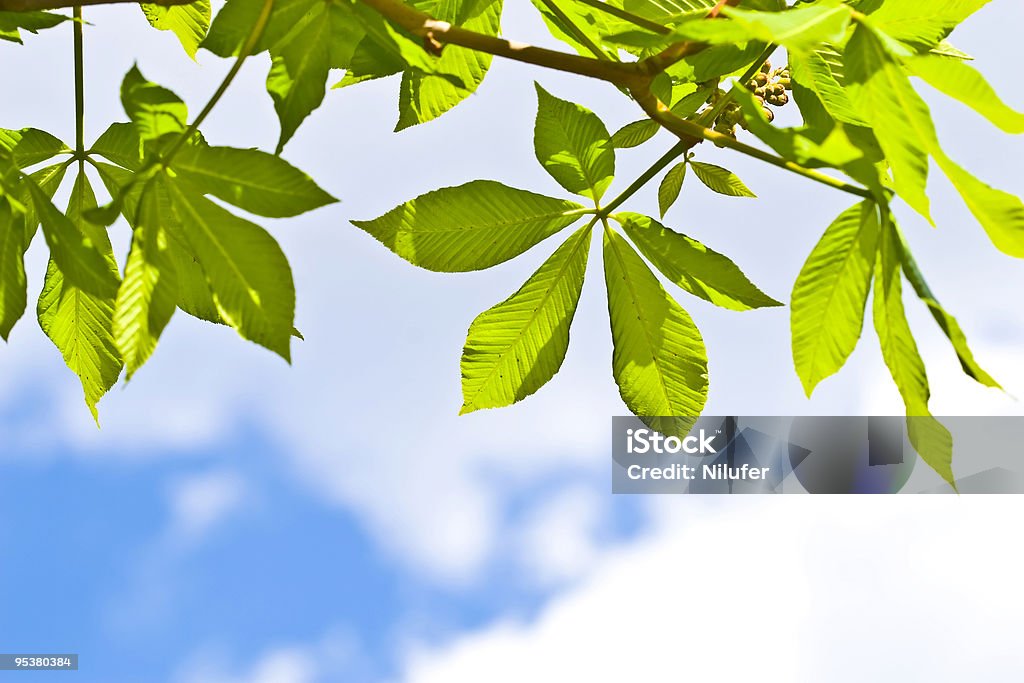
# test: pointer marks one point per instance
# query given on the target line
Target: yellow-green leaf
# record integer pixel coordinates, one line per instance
(188, 22)
(515, 347)
(830, 295)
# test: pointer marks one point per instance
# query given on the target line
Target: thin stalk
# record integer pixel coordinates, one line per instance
(682, 147)
(247, 48)
(79, 89)
(657, 167)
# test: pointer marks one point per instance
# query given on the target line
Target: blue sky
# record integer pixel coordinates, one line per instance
(237, 520)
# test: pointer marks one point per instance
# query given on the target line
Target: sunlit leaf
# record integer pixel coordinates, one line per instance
(470, 227)
(831, 293)
(515, 347)
(692, 266)
(573, 145)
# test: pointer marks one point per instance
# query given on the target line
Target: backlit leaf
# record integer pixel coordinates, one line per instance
(252, 180)
(188, 22)
(514, 348)
(573, 145)
(659, 361)
(80, 322)
(670, 186)
(721, 180)
(692, 266)
(470, 227)
(247, 272)
(830, 295)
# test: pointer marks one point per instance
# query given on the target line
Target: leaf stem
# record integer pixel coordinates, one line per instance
(683, 146)
(79, 89)
(657, 167)
(688, 130)
(250, 43)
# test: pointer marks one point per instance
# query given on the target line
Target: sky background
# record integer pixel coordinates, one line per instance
(237, 520)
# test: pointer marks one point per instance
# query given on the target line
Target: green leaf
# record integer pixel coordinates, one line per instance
(194, 296)
(899, 350)
(12, 267)
(659, 361)
(1000, 213)
(635, 134)
(716, 62)
(593, 24)
(188, 22)
(934, 443)
(33, 22)
(234, 22)
(30, 146)
(799, 30)
(120, 143)
(80, 252)
(811, 146)
(946, 49)
(398, 45)
(692, 266)
(80, 322)
(950, 327)
(325, 39)
(573, 145)
(812, 72)
(252, 180)
(515, 347)
(670, 186)
(17, 228)
(720, 180)
(900, 119)
(923, 24)
(154, 110)
(423, 97)
(470, 227)
(904, 128)
(148, 293)
(963, 82)
(247, 272)
(830, 295)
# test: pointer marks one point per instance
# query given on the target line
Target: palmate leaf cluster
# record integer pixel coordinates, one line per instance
(854, 69)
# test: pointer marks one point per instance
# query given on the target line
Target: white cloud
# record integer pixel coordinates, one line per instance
(779, 589)
(199, 503)
(559, 538)
(334, 656)
(367, 412)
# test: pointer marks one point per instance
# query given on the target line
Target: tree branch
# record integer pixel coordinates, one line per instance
(38, 5)
(636, 77)
(688, 130)
(424, 26)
